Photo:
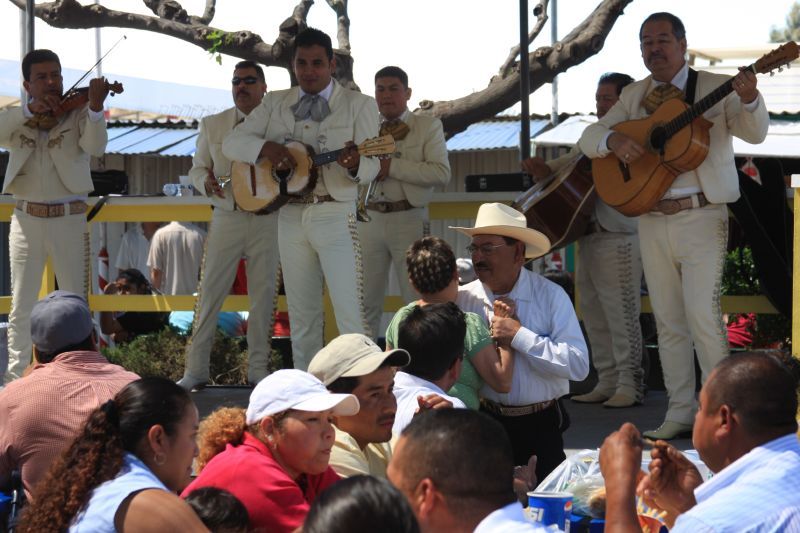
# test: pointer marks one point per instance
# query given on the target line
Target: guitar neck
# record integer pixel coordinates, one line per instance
(326, 157)
(698, 108)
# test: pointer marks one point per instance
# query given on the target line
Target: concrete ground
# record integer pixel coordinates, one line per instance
(591, 423)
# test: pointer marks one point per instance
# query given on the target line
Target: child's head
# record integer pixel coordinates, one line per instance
(220, 511)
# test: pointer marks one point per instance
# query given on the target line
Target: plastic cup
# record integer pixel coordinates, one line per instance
(550, 508)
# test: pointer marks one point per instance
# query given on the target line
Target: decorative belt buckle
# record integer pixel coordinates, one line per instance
(383, 207)
(669, 206)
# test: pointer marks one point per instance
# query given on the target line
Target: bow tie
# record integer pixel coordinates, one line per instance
(311, 105)
(396, 128)
(659, 95)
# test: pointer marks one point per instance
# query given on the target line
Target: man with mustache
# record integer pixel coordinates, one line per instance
(609, 280)
(542, 331)
(317, 233)
(684, 238)
(353, 364)
(233, 233)
(48, 174)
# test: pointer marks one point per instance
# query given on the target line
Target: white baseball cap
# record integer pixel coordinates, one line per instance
(295, 389)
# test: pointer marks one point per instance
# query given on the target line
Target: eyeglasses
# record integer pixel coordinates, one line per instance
(249, 80)
(484, 249)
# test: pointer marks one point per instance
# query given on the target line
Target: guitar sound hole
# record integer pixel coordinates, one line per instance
(658, 138)
(282, 174)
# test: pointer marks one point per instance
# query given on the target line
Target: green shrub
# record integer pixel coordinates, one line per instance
(162, 354)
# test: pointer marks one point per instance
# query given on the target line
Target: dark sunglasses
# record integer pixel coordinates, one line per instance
(249, 80)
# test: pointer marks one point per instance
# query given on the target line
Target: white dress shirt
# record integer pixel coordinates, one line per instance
(406, 389)
(549, 348)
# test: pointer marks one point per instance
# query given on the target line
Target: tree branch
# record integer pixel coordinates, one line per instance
(208, 13)
(541, 17)
(342, 23)
(586, 40)
(168, 9)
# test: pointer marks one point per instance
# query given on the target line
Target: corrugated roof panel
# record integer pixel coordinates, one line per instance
(492, 135)
(114, 133)
(184, 147)
(565, 133)
(145, 140)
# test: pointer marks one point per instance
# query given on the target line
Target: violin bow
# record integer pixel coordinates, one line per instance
(98, 62)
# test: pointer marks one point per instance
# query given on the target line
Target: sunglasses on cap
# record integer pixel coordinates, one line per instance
(249, 80)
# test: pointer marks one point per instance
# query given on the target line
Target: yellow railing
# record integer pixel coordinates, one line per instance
(443, 206)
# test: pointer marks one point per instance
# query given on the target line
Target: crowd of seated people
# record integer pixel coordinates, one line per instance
(371, 440)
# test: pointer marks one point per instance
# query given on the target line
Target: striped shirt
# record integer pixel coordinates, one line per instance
(757, 493)
(41, 414)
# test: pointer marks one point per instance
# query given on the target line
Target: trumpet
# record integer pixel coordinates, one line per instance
(365, 195)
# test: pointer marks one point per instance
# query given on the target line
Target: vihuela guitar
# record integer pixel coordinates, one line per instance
(676, 140)
(262, 188)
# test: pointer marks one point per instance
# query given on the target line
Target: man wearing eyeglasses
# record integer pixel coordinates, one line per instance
(232, 234)
(542, 331)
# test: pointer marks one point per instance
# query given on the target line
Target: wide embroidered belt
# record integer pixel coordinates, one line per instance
(670, 206)
(516, 410)
(41, 210)
(390, 207)
(311, 199)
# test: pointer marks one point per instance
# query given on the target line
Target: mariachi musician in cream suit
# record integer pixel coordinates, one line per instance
(317, 233)
(609, 280)
(684, 237)
(401, 192)
(48, 174)
(232, 234)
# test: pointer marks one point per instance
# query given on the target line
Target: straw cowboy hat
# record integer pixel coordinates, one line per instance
(500, 219)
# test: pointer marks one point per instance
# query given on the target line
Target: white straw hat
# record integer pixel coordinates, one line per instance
(295, 389)
(500, 219)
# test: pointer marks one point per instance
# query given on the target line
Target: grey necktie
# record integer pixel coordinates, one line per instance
(311, 105)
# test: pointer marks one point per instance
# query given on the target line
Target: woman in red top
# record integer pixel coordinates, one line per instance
(274, 457)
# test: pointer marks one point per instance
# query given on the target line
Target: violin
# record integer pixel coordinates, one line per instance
(75, 98)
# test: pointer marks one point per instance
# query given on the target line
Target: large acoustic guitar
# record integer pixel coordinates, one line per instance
(676, 140)
(262, 188)
(560, 205)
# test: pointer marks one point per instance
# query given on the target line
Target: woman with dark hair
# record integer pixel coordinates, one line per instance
(361, 504)
(122, 472)
(433, 273)
(274, 457)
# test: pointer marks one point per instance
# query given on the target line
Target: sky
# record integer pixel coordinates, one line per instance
(449, 48)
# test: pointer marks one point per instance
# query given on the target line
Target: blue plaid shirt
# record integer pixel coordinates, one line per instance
(758, 493)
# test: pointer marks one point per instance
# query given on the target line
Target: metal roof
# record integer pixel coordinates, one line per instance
(161, 138)
(492, 135)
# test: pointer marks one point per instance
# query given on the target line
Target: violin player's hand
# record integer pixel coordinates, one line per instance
(44, 105)
(98, 90)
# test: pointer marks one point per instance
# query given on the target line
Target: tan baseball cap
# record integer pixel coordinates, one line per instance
(352, 355)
